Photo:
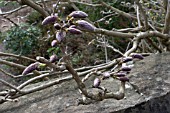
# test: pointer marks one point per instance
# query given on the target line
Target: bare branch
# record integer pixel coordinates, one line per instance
(134, 47)
(154, 45)
(166, 29)
(35, 6)
(8, 74)
(10, 20)
(17, 56)
(43, 60)
(136, 29)
(138, 16)
(114, 33)
(12, 64)
(144, 17)
(118, 11)
(10, 85)
(12, 11)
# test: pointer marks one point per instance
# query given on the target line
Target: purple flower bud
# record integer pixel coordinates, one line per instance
(49, 20)
(60, 36)
(62, 67)
(73, 26)
(106, 75)
(126, 68)
(30, 68)
(74, 31)
(78, 14)
(138, 56)
(54, 43)
(120, 74)
(57, 26)
(53, 58)
(82, 24)
(96, 82)
(127, 59)
(123, 79)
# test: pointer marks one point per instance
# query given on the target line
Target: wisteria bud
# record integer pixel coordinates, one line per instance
(57, 26)
(30, 68)
(54, 43)
(62, 67)
(106, 75)
(78, 14)
(73, 26)
(127, 59)
(49, 20)
(60, 36)
(123, 79)
(96, 82)
(82, 24)
(74, 31)
(138, 56)
(125, 68)
(53, 58)
(120, 74)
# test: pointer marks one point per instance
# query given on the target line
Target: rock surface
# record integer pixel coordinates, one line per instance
(151, 76)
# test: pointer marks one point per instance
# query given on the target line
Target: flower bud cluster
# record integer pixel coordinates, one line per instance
(121, 74)
(72, 24)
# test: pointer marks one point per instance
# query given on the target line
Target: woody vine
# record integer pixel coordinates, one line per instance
(76, 23)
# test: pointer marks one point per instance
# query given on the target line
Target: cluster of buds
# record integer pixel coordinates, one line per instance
(63, 27)
(73, 24)
(121, 74)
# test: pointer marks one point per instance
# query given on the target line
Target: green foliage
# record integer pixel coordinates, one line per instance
(23, 39)
(9, 5)
(52, 50)
(34, 17)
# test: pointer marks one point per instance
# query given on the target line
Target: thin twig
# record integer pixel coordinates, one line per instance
(17, 56)
(8, 74)
(10, 85)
